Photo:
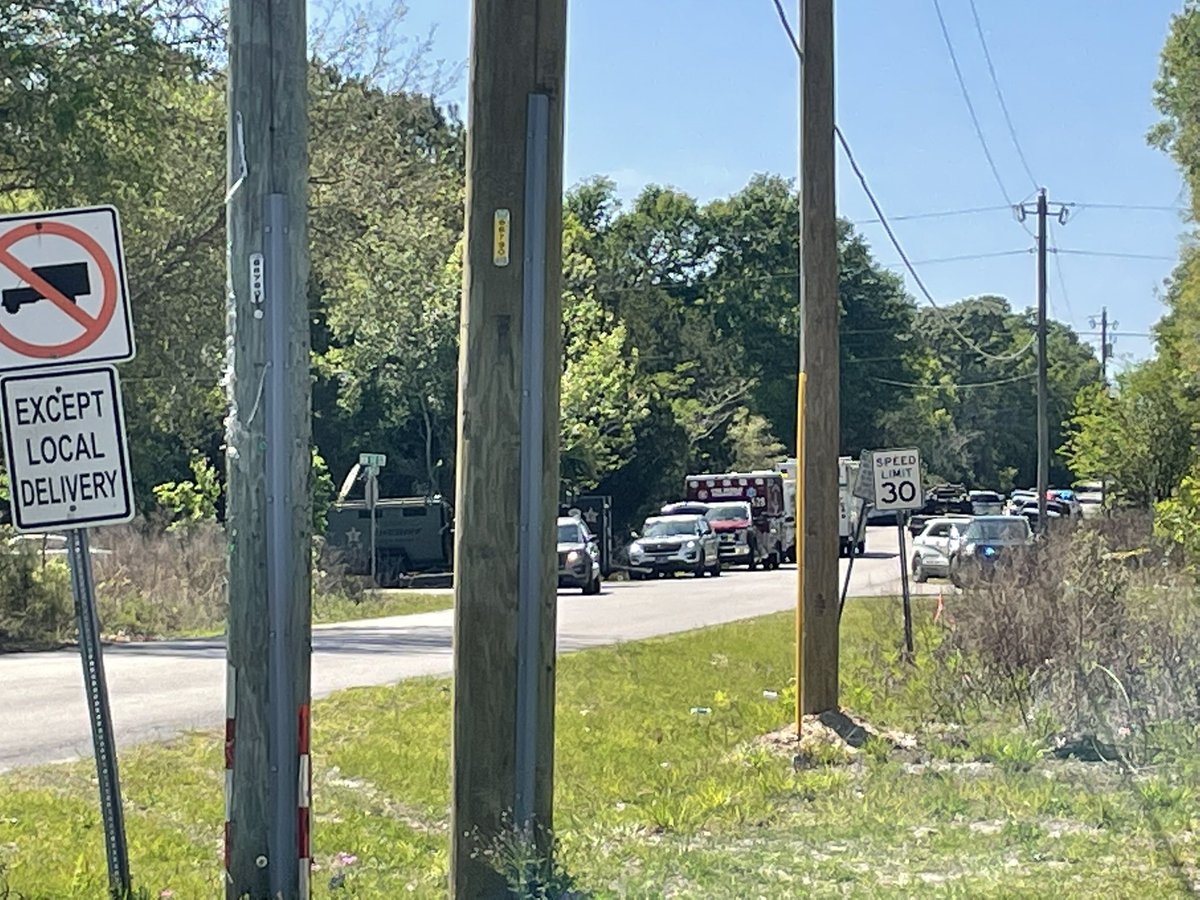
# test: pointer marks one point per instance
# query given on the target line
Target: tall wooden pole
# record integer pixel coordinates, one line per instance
(819, 358)
(1043, 417)
(268, 458)
(505, 583)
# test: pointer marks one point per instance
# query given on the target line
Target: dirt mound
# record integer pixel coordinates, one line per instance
(836, 735)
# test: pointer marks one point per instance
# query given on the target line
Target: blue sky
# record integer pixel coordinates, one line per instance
(702, 94)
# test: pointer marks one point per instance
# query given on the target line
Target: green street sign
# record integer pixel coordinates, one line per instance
(372, 460)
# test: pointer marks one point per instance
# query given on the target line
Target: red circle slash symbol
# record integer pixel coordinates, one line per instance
(92, 327)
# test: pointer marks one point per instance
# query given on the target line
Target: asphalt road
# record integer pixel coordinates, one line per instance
(164, 688)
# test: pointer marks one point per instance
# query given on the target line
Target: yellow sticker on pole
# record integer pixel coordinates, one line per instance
(500, 236)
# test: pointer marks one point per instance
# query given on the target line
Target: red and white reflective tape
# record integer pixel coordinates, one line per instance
(230, 706)
(304, 791)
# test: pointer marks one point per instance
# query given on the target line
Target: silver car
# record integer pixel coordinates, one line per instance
(578, 556)
(934, 546)
(670, 544)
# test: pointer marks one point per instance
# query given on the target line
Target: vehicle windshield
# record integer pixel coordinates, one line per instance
(728, 512)
(569, 534)
(998, 530)
(664, 528)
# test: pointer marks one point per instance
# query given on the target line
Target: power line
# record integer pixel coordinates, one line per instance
(939, 214)
(966, 95)
(1113, 254)
(1062, 281)
(887, 227)
(1012, 131)
(862, 179)
(958, 387)
(1146, 207)
(972, 256)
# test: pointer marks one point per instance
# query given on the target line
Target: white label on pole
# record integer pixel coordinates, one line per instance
(68, 461)
(257, 278)
(63, 289)
(897, 478)
(501, 235)
(372, 460)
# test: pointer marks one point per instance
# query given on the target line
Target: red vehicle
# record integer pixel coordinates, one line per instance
(758, 538)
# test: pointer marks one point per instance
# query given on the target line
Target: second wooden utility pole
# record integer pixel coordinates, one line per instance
(268, 458)
(1043, 416)
(507, 498)
(819, 314)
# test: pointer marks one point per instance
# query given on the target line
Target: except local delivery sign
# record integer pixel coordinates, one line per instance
(68, 462)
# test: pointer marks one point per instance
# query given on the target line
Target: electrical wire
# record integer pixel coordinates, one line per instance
(1012, 131)
(967, 385)
(862, 179)
(966, 95)
(1062, 281)
(1147, 207)
(966, 257)
(887, 227)
(1112, 254)
(939, 214)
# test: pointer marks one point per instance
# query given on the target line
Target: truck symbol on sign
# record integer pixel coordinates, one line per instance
(69, 279)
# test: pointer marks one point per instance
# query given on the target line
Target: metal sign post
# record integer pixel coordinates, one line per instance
(902, 524)
(864, 490)
(83, 587)
(896, 485)
(371, 496)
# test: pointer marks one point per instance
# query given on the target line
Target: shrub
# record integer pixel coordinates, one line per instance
(1091, 633)
(36, 606)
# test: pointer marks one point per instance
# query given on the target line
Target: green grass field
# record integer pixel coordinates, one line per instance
(655, 800)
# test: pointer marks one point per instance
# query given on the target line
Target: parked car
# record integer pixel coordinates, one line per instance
(1017, 499)
(670, 544)
(1091, 498)
(987, 542)
(986, 503)
(578, 556)
(48, 545)
(1055, 509)
(1069, 499)
(933, 547)
(943, 500)
(734, 525)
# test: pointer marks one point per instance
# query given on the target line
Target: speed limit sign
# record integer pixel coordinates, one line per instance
(897, 476)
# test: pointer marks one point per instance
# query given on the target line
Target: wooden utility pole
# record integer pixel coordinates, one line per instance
(507, 498)
(268, 458)
(1042, 210)
(819, 360)
(1043, 417)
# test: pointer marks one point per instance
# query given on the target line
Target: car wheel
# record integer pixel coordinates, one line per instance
(773, 560)
(918, 571)
(700, 566)
(593, 586)
(716, 569)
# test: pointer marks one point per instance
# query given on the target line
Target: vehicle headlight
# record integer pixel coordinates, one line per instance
(690, 545)
(574, 556)
(969, 547)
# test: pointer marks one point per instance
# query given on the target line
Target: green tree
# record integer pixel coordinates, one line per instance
(1141, 437)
